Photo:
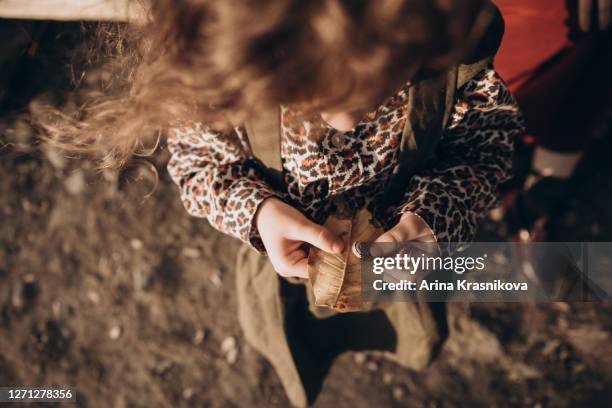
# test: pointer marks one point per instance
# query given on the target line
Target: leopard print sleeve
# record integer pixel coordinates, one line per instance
(474, 156)
(217, 180)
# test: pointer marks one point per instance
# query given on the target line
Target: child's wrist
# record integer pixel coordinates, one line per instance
(264, 207)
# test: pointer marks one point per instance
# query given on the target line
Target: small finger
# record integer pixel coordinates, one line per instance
(321, 237)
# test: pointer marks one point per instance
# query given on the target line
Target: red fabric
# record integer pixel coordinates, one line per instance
(562, 86)
(535, 31)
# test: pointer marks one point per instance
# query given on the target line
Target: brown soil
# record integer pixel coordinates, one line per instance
(131, 301)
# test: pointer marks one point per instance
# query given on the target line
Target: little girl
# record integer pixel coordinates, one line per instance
(359, 84)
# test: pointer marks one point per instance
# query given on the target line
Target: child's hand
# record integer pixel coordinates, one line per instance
(410, 228)
(284, 231)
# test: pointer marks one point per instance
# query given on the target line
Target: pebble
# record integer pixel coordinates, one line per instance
(215, 279)
(198, 336)
(188, 393)
(230, 349)
(29, 278)
(232, 356)
(398, 393)
(372, 366)
(93, 296)
(191, 253)
(140, 279)
(387, 378)
(56, 308)
(114, 333)
(228, 343)
(136, 244)
(17, 300)
(359, 358)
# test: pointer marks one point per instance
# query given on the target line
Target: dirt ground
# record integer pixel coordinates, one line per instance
(126, 298)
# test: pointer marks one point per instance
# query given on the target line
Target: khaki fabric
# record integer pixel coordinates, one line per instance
(301, 340)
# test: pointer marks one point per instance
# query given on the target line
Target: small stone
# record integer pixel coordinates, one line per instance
(215, 279)
(56, 308)
(191, 253)
(17, 300)
(359, 358)
(141, 280)
(136, 244)
(387, 378)
(372, 366)
(232, 356)
(398, 393)
(228, 343)
(199, 336)
(188, 393)
(27, 205)
(75, 183)
(230, 349)
(114, 333)
(93, 297)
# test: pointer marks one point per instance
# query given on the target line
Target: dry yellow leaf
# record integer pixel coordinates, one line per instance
(336, 278)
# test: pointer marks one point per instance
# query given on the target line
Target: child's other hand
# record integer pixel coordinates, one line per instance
(284, 230)
(410, 228)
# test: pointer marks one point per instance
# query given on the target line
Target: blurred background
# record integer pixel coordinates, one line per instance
(107, 285)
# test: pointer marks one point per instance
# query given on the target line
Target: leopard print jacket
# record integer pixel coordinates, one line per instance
(219, 180)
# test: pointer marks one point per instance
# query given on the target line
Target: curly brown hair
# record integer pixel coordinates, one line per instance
(219, 62)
